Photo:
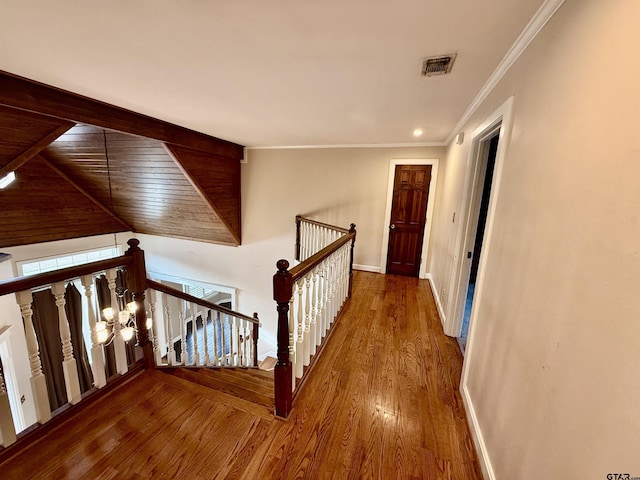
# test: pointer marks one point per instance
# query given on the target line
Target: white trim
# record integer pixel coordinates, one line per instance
(476, 435)
(11, 379)
(233, 292)
(430, 206)
(537, 22)
(350, 145)
(366, 268)
(436, 297)
(502, 117)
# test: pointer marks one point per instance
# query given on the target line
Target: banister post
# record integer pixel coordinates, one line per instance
(298, 222)
(137, 283)
(352, 230)
(282, 291)
(256, 328)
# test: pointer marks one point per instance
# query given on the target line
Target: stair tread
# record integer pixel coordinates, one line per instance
(237, 385)
(233, 378)
(264, 411)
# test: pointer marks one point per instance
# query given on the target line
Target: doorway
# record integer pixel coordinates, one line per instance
(500, 123)
(408, 219)
(408, 214)
(489, 149)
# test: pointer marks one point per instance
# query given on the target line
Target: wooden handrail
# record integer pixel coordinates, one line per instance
(32, 281)
(313, 261)
(190, 298)
(320, 224)
(283, 282)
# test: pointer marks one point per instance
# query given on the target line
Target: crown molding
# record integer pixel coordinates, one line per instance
(349, 145)
(539, 20)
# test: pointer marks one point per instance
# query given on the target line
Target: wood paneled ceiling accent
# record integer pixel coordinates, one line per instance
(87, 168)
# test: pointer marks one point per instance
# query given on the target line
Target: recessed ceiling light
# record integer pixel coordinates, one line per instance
(417, 132)
(7, 179)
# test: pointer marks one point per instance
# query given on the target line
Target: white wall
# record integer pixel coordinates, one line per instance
(551, 374)
(338, 186)
(335, 185)
(10, 315)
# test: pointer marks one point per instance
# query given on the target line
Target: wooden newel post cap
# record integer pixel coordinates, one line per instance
(282, 265)
(353, 228)
(133, 244)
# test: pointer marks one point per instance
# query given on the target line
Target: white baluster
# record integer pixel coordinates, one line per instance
(304, 240)
(194, 326)
(238, 340)
(118, 342)
(171, 353)
(7, 429)
(69, 366)
(216, 339)
(203, 315)
(345, 272)
(292, 342)
(245, 347)
(332, 290)
(97, 355)
(184, 355)
(313, 327)
(38, 380)
(307, 320)
(322, 297)
(300, 330)
(153, 331)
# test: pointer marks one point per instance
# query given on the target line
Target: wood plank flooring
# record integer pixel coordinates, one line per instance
(383, 403)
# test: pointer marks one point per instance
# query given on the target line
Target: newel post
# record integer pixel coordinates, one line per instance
(282, 290)
(298, 222)
(137, 283)
(352, 230)
(256, 328)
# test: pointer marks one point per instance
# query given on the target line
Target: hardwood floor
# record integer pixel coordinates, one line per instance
(383, 403)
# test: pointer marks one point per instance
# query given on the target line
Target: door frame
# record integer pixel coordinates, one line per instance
(430, 206)
(500, 122)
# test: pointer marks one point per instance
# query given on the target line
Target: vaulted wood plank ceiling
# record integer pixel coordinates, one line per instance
(77, 179)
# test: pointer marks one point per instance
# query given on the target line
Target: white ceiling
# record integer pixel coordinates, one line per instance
(269, 73)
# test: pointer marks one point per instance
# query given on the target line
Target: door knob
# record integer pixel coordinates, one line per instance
(392, 226)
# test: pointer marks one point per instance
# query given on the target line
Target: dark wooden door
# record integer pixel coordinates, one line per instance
(408, 218)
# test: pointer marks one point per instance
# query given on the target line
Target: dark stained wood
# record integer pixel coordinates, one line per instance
(217, 179)
(86, 194)
(389, 409)
(33, 281)
(137, 284)
(282, 285)
(34, 150)
(149, 191)
(190, 298)
(21, 131)
(31, 96)
(282, 291)
(40, 206)
(66, 413)
(408, 219)
(313, 261)
(240, 383)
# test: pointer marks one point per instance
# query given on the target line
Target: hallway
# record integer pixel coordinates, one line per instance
(382, 403)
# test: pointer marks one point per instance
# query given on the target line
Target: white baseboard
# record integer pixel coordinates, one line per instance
(436, 297)
(366, 268)
(476, 435)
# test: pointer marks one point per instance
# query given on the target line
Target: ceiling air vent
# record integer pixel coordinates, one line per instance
(439, 65)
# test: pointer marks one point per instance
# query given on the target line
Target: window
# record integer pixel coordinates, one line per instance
(47, 264)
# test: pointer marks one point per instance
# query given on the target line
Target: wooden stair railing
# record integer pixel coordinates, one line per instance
(133, 273)
(233, 341)
(199, 333)
(309, 297)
